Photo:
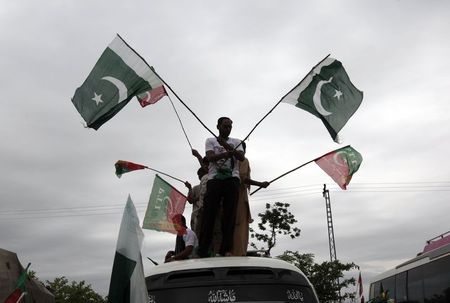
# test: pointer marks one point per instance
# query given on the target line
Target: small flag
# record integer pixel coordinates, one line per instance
(19, 291)
(327, 93)
(123, 167)
(165, 202)
(341, 164)
(360, 287)
(118, 76)
(127, 279)
(152, 96)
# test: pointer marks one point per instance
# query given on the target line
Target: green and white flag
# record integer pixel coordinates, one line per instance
(127, 278)
(327, 93)
(118, 76)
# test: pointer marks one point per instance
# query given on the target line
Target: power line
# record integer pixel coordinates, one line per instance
(270, 194)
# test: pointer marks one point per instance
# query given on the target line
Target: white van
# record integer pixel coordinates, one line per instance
(229, 279)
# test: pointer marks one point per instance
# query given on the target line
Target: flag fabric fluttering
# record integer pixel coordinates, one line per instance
(327, 93)
(123, 167)
(20, 290)
(127, 279)
(341, 164)
(165, 202)
(360, 289)
(118, 76)
(151, 96)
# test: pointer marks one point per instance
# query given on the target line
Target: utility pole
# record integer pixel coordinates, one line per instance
(331, 243)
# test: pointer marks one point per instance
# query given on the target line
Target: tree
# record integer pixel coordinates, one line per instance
(75, 292)
(324, 276)
(276, 220)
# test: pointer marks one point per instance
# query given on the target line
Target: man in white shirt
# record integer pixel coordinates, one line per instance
(186, 242)
(223, 154)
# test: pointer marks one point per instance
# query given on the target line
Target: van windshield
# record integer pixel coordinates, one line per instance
(241, 284)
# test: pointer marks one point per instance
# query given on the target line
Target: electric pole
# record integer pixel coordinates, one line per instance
(331, 243)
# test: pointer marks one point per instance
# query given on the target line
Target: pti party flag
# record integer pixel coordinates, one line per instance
(340, 164)
(123, 167)
(19, 290)
(165, 202)
(151, 96)
(327, 93)
(118, 76)
(360, 289)
(127, 279)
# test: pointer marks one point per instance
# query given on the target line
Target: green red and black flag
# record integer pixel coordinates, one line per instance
(20, 290)
(123, 167)
(164, 204)
(341, 164)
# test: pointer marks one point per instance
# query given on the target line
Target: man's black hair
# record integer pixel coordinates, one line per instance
(220, 120)
(181, 218)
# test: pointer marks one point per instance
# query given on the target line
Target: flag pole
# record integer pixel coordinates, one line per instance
(187, 107)
(181, 123)
(154, 262)
(286, 173)
(270, 111)
(164, 174)
(292, 170)
(21, 296)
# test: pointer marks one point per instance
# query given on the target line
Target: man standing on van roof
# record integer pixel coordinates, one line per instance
(223, 154)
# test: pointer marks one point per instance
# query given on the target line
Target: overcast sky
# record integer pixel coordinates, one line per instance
(61, 203)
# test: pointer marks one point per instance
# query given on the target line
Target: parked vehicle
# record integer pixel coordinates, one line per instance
(229, 279)
(425, 278)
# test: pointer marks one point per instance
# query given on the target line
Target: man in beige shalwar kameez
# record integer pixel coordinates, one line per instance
(243, 215)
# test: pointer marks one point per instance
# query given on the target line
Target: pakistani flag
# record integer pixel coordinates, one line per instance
(165, 202)
(118, 76)
(341, 164)
(127, 278)
(327, 93)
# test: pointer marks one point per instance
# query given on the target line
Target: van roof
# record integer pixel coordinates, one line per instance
(222, 262)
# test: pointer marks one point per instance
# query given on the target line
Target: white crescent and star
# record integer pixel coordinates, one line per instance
(145, 97)
(341, 161)
(97, 98)
(317, 99)
(122, 89)
(123, 92)
(337, 94)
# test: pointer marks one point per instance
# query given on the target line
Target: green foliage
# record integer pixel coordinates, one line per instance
(32, 275)
(327, 277)
(74, 292)
(276, 220)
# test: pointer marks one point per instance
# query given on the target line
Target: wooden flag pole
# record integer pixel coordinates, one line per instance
(270, 111)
